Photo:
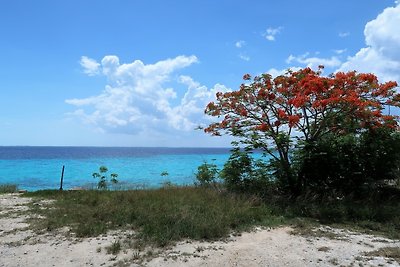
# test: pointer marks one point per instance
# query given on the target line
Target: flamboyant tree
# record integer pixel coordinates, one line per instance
(274, 113)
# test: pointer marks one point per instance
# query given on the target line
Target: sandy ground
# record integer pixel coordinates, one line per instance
(20, 246)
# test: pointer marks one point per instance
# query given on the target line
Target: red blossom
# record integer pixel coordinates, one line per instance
(271, 96)
(306, 94)
(293, 119)
(262, 127)
(282, 114)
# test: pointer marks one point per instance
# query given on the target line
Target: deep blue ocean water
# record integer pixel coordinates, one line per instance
(35, 168)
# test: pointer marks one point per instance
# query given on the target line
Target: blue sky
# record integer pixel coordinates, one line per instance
(139, 73)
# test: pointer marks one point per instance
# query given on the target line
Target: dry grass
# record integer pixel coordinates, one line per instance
(387, 252)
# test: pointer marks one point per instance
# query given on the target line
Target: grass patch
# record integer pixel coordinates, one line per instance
(387, 252)
(8, 188)
(114, 248)
(160, 216)
(374, 214)
(311, 230)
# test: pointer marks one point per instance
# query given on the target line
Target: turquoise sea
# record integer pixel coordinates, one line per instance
(35, 168)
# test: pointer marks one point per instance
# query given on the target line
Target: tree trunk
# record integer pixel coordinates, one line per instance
(288, 173)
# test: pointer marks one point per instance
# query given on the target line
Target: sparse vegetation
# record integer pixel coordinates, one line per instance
(114, 248)
(160, 216)
(387, 252)
(8, 188)
(103, 178)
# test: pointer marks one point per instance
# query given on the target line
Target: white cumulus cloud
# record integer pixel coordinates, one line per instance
(189, 113)
(270, 33)
(382, 52)
(90, 66)
(137, 99)
(314, 62)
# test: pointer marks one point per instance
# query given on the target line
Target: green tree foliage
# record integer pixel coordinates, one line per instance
(348, 164)
(242, 173)
(207, 174)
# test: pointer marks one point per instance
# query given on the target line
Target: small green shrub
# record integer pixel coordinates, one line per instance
(102, 176)
(114, 248)
(243, 174)
(207, 174)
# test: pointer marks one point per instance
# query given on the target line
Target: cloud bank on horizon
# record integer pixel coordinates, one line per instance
(143, 97)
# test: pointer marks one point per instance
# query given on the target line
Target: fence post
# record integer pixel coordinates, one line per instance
(62, 178)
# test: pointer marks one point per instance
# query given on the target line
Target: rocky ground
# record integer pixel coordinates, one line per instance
(21, 246)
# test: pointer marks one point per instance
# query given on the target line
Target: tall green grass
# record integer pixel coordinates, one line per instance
(163, 216)
(8, 188)
(160, 216)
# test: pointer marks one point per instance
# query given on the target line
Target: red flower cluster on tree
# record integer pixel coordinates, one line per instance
(304, 102)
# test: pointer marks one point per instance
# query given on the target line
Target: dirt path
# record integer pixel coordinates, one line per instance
(20, 246)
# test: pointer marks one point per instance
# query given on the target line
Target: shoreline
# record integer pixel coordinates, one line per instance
(36, 169)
